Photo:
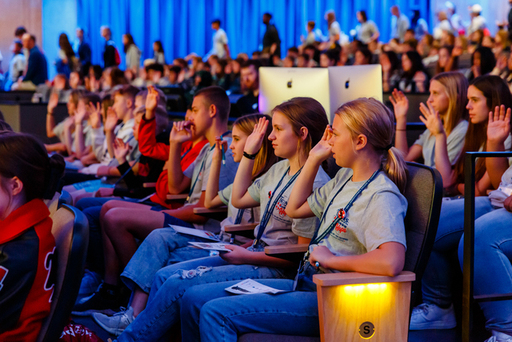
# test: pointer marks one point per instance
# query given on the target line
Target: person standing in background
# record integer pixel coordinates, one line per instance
(83, 51)
(399, 24)
(367, 31)
(16, 65)
(454, 18)
(132, 53)
(110, 53)
(477, 20)
(158, 52)
(271, 40)
(220, 46)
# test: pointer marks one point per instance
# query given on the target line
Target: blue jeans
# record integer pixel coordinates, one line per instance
(493, 268)
(162, 247)
(209, 313)
(438, 278)
(170, 283)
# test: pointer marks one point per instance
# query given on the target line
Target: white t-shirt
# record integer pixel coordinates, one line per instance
(454, 143)
(376, 216)
(366, 30)
(281, 229)
(220, 38)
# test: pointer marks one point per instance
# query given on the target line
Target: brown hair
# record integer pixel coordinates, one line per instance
(25, 157)
(496, 93)
(75, 95)
(216, 96)
(128, 91)
(305, 112)
(371, 118)
(265, 157)
(456, 86)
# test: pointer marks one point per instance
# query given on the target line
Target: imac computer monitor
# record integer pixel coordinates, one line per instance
(331, 86)
(278, 85)
(347, 83)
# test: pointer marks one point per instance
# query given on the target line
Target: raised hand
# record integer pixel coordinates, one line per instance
(111, 121)
(323, 149)
(53, 101)
(151, 102)
(81, 113)
(400, 105)
(69, 122)
(255, 140)
(181, 132)
(498, 128)
(431, 119)
(95, 115)
(121, 150)
(217, 152)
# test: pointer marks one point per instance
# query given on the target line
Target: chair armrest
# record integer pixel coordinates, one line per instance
(243, 227)
(149, 185)
(293, 253)
(177, 197)
(348, 278)
(206, 211)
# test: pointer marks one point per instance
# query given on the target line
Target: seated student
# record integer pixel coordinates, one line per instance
(57, 130)
(390, 70)
(484, 93)
(414, 79)
(437, 311)
(27, 246)
(250, 83)
(447, 61)
(483, 62)
(493, 235)
(164, 246)
(361, 229)
(122, 222)
(445, 118)
(297, 125)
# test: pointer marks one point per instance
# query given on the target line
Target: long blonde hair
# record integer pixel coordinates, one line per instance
(371, 118)
(456, 86)
(265, 157)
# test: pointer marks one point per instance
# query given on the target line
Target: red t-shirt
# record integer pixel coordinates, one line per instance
(27, 251)
(149, 147)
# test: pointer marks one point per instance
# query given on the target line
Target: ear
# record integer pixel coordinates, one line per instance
(130, 103)
(360, 142)
(16, 186)
(303, 134)
(212, 110)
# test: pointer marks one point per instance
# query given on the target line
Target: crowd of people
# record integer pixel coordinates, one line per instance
(269, 170)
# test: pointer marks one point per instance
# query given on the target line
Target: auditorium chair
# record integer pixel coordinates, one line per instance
(424, 193)
(71, 231)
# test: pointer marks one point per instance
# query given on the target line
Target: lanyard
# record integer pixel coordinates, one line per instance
(202, 166)
(126, 172)
(239, 216)
(269, 209)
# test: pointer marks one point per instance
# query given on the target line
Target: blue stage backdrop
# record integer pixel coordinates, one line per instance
(183, 26)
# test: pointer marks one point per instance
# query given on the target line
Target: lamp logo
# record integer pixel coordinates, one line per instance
(367, 330)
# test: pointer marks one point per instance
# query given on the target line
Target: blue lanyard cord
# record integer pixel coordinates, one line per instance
(202, 166)
(269, 209)
(239, 216)
(341, 213)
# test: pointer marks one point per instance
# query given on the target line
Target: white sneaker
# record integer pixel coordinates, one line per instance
(498, 336)
(115, 324)
(430, 316)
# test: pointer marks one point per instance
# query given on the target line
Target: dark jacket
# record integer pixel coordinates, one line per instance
(109, 54)
(37, 70)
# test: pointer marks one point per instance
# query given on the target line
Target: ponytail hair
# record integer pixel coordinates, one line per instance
(265, 157)
(23, 156)
(374, 120)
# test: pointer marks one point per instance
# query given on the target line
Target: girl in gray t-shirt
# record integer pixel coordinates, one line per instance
(362, 215)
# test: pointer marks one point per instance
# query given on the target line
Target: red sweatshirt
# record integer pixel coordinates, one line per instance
(27, 251)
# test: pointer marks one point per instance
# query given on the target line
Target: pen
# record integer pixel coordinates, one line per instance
(223, 155)
(317, 264)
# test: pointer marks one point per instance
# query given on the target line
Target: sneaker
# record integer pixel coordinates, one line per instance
(498, 336)
(100, 301)
(431, 316)
(90, 283)
(115, 324)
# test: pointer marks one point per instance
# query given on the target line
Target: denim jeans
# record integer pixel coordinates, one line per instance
(492, 267)
(209, 313)
(171, 282)
(438, 278)
(162, 247)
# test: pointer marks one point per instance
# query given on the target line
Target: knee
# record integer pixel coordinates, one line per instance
(107, 206)
(211, 315)
(113, 220)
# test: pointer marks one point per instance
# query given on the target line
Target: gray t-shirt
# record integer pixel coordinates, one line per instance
(376, 216)
(281, 229)
(366, 30)
(250, 215)
(499, 195)
(199, 171)
(454, 144)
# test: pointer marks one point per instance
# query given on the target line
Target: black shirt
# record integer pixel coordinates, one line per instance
(272, 36)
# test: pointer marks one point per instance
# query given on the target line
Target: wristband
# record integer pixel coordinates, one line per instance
(250, 156)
